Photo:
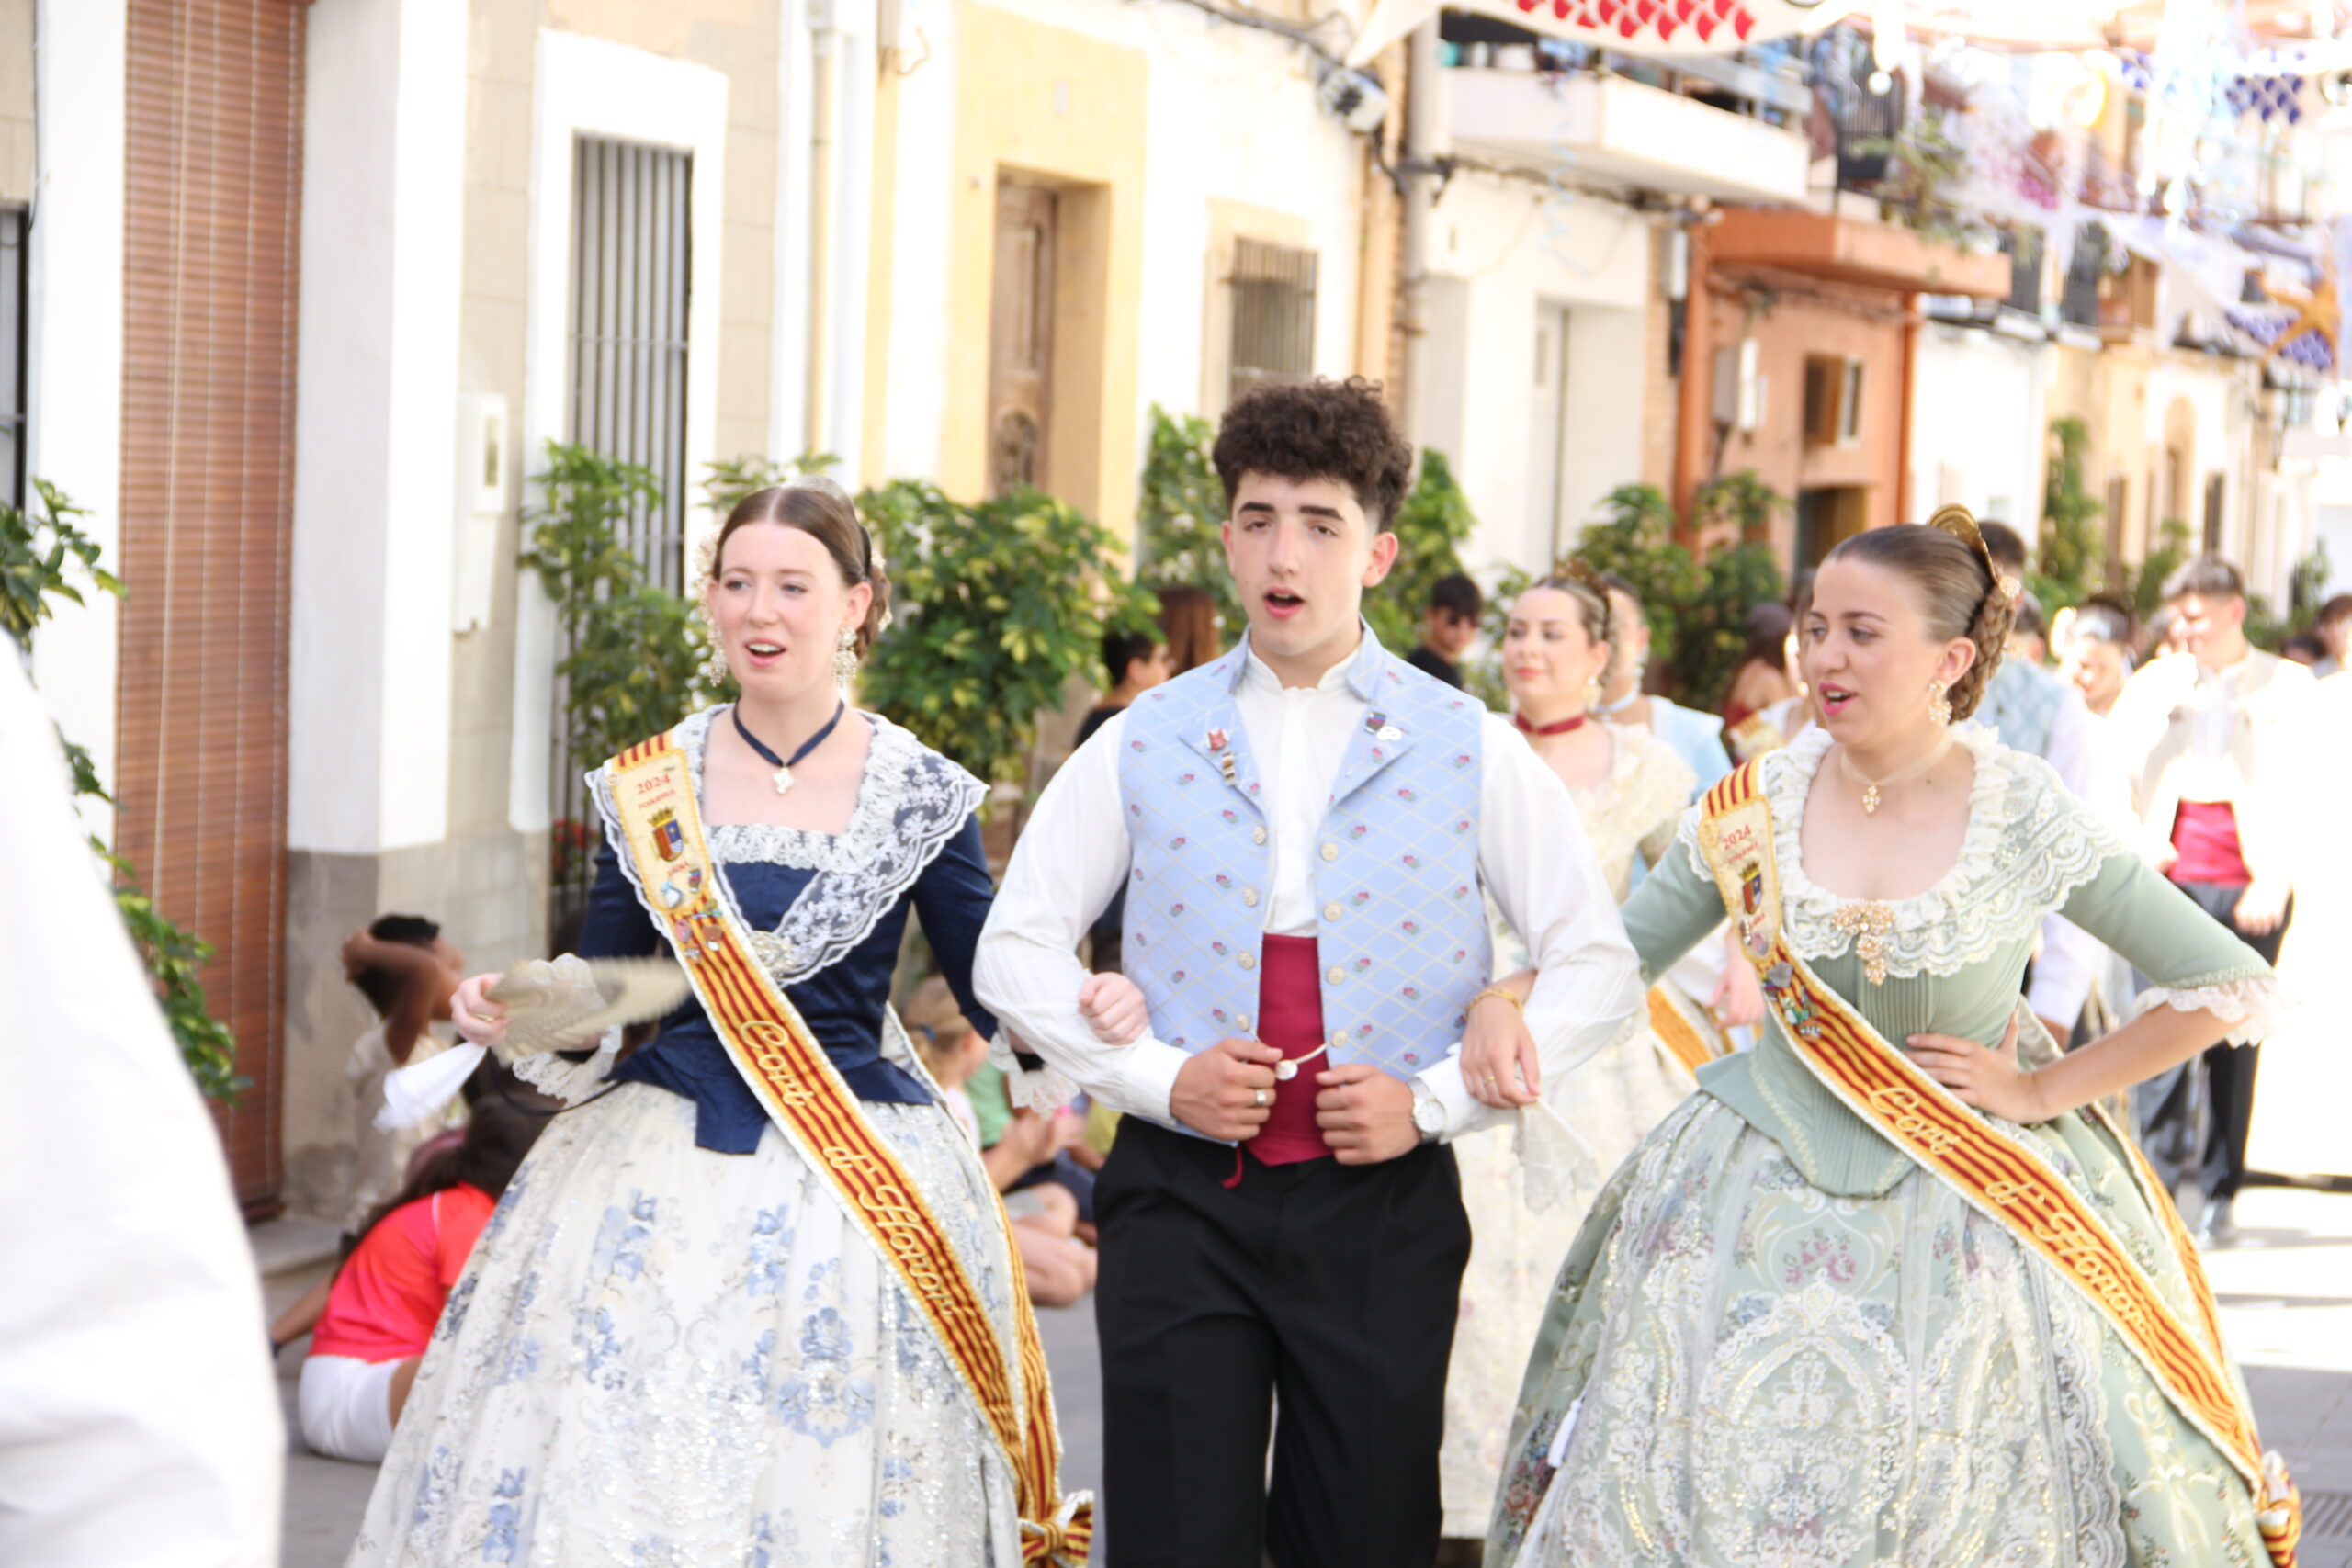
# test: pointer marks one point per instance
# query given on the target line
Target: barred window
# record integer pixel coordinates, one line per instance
(629, 329)
(626, 397)
(1273, 316)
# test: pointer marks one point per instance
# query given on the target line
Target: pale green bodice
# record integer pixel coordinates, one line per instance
(1953, 958)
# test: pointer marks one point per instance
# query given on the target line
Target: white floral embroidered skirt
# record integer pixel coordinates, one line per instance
(1742, 1371)
(1612, 1101)
(664, 1356)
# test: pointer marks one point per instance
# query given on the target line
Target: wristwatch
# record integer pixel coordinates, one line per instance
(1429, 1116)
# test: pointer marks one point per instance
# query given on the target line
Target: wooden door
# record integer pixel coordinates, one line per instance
(212, 239)
(1021, 337)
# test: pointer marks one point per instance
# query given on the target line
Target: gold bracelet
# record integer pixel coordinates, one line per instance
(1509, 997)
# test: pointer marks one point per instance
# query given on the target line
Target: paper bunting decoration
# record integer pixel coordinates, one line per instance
(1624, 27)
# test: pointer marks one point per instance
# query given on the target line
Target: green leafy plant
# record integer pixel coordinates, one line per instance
(1430, 527)
(2073, 550)
(997, 608)
(1633, 539)
(36, 556)
(728, 482)
(1179, 507)
(1715, 631)
(1697, 610)
(633, 650)
(1712, 634)
(36, 553)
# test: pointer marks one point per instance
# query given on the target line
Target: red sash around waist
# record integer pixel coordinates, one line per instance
(1290, 1018)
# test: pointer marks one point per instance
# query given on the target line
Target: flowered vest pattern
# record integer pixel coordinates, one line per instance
(1401, 927)
(2021, 707)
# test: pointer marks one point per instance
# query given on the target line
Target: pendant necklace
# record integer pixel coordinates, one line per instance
(1559, 726)
(784, 765)
(1870, 787)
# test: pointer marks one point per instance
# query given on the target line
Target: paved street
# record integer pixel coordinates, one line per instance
(2285, 1289)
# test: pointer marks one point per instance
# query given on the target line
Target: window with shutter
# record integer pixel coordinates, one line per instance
(212, 257)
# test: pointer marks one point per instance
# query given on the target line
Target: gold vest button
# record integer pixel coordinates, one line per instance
(1250, 897)
(1335, 974)
(1331, 852)
(1248, 961)
(1332, 911)
(1257, 835)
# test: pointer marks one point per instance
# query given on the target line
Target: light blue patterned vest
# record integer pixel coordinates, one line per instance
(2021, 707)
(1402, 934)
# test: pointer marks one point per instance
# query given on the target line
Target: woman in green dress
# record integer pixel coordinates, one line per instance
(1787, 1335)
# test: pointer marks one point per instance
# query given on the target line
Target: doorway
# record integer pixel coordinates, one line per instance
(1021, 335)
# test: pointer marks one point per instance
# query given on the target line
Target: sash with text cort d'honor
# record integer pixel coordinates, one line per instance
(653, 792)
(2002, 1176)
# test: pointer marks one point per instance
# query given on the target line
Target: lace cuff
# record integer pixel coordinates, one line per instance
(2256, 1008)
(574, 1083)
(1043, 1089)
(571, 1082)
(1554, 1161)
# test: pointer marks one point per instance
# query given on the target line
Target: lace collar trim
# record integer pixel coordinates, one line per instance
(889, 753)
(1790, 784)
(910, 802)
(2027, 847)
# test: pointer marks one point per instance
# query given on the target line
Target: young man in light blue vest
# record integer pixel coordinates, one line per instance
(1305, 828)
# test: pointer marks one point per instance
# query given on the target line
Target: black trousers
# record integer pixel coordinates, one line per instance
(1330, 1287)
(2230, 1069)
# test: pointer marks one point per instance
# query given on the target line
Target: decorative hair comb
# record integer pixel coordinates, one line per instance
(1960, 523)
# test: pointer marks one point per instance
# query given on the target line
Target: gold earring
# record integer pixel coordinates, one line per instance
(1939, 706)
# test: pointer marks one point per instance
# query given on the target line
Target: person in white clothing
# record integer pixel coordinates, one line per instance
(1304, 830)
(139, 1421)
(2218, 786)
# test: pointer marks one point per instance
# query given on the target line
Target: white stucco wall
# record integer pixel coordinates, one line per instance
(375, 427)
(1979, 425)
(1500, 249)
(1232, 117)
(75, 352)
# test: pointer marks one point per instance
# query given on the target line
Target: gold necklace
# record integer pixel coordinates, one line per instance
(1870, 787)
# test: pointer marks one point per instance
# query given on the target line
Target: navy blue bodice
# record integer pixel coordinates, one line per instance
(842, 999)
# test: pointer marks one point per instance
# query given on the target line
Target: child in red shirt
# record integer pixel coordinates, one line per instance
(381, 1309)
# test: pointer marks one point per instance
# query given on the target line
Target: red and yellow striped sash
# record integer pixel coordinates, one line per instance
(653, 799)
(1683, 1038)
(2005, 1178)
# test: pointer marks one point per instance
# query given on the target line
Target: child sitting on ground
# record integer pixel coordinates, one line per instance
(1061, 1269)
(369, 1330)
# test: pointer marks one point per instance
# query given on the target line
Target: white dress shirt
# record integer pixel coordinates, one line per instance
(1075, 853)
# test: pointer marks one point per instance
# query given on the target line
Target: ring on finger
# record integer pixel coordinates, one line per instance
(1258, 1097)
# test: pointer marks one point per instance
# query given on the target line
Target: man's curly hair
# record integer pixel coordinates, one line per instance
(1339, 431)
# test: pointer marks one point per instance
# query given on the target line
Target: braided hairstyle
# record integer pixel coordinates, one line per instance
(1959, 592)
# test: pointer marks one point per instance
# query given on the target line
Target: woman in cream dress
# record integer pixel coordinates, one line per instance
(1629, 788)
